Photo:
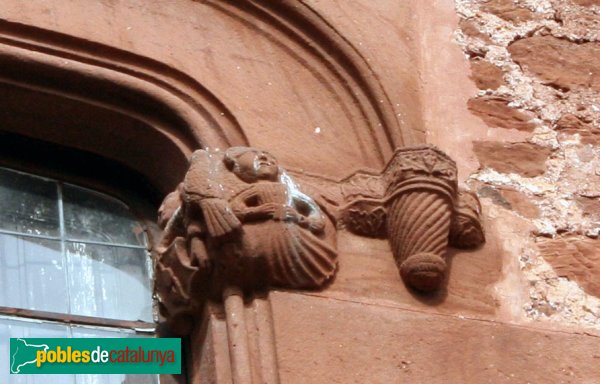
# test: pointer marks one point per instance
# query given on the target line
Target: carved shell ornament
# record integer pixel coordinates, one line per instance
(238, 220)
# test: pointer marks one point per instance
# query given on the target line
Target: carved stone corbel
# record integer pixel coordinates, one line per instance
(415, 202)
(238, 223)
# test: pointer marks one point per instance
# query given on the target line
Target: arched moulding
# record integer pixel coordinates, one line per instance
(168, 108)
(300, 30)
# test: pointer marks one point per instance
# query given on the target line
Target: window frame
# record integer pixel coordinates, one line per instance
(66, 319)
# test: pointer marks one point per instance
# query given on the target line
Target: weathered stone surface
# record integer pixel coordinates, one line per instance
(586, 3)
(558, 62)
(539, 70)
(507, 10)
(469, 28)
(367, 274)
(570, 124)
(577, 259)
(512, 200)
(486, 75)
(577, 23)
(521, 203)
(590, 207)
(495, 112)
(340, 341)
(524, 159)
(494, 195)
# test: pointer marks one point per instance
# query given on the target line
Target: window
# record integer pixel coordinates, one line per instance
(73, 263)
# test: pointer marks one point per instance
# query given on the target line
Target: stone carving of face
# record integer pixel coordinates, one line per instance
(256, 165)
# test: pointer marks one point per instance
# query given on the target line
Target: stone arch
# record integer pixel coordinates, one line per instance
(109, 102)
(126, 105)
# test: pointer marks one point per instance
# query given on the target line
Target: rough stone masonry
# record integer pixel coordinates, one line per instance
(537, 66)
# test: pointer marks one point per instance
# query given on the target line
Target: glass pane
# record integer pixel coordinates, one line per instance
(81, 331)
(28, 204)
(14, 328)
(32, 274)
(95, 217)
(111, 379)
(109, 282)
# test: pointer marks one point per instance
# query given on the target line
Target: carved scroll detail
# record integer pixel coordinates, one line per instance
(466, 230)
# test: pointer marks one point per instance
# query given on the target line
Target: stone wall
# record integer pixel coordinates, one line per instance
(332, 87)
(537, 69)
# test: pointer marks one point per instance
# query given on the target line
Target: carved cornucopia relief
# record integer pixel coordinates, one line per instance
(415, 202)
(239, 220)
